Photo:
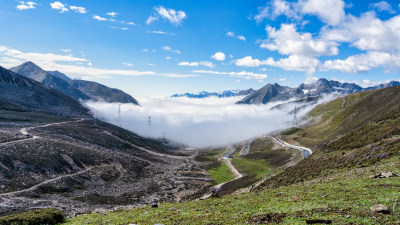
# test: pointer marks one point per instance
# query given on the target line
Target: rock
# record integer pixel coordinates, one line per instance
(387, 174)
(379, 208)
(372, 176)
(154, 205)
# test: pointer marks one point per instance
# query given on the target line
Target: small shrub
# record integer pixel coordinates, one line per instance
(34, 217)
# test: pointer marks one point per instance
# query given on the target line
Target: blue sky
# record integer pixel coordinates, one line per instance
(158, 48)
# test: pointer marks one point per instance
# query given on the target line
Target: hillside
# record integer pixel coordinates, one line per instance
(78, 89)
(74, 165)
(31, 95)
(331, 185)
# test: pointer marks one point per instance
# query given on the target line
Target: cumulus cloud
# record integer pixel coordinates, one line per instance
(198, 122)
(368, 33)
(77, 9)
(383, 6)
(127, 64)
(232, 34)
(292, 63)
(73, 66)
(26, 5)
(169, 49)
(99, 18)
(243, 74)
(201, 63)
(219, 56)
(330, 12)
(59, 6)
(288, 41)
(171, 15)
(364, 62)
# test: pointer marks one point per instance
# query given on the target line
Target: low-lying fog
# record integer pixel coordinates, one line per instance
(199, 122)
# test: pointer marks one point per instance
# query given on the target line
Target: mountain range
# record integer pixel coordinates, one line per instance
(77, 89)
(222, 94)
(276, 92)
(22, 93)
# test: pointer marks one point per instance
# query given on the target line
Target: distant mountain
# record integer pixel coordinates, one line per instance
(99, 92)
(78, 89)
(275, 92)
(223, 94)
(24, 93)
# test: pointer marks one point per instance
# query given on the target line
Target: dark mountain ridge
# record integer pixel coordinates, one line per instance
(276, 92)
(78, 89)
(20, 91)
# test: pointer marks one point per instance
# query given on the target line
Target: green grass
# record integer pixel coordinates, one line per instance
(34, 217)
(344, 198)
(221, 174)
(259, 168)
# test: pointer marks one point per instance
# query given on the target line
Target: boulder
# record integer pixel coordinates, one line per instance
(379, 208)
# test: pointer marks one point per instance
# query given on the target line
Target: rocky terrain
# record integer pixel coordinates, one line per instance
(78, 89)
(74, 165)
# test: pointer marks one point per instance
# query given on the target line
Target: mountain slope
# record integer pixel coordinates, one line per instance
(34, 72)
(358, 130)
(275, 92)
(26, 93)
(99, 92)
(78, 89)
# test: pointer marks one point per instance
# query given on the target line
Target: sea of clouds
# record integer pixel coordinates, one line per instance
(199, 122)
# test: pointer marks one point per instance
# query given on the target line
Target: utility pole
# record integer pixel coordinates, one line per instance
(116, 146)
(119, 111)
(294, 123)
(149, 121)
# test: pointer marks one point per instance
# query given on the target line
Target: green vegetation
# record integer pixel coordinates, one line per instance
(221, 174)
(344, 198)
(34, 217)
(251, 167)
(218, 170)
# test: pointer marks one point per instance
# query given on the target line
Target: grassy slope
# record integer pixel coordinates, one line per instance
(342, 198)
(218, 170)
(363, 136)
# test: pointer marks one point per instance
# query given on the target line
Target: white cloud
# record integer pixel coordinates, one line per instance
(112, 14)
(383, 6)
(202, 63)
(151, 19)
(66, 50)
(159, 32)
(71, 65)
(59, 6)
(26, 5)
(243, 74)
(197, 122)
(368, 33)
(99, 18)
(145, 50)
(131, 23)
(77, 9)
(127, 64)
(168, 57)
(219, 56)
(232, 34)
(171, 15)
(364, 62)
(288, 41)
(330, 12)
(292, 63)
(169, 49)
(120, 28)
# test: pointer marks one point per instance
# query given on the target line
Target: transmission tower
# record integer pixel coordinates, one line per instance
(119, 111)
(294, 123)
(149, 120)
(164, 135)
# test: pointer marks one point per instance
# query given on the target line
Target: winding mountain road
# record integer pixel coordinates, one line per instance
(306, 151)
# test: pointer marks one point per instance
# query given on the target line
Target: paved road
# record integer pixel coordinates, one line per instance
(247, 147)
(230, 153)
(306, 151)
